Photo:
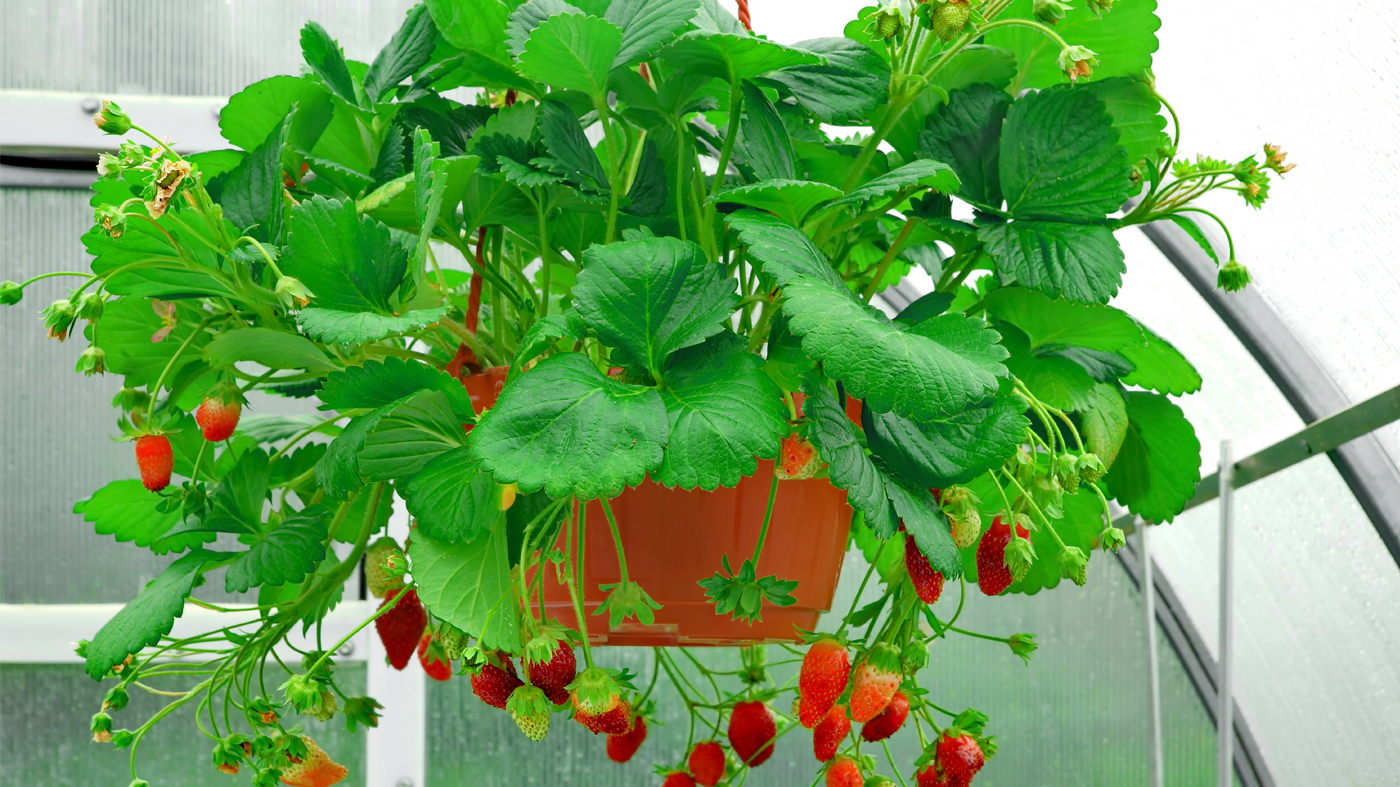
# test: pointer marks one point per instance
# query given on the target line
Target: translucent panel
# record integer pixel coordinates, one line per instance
(55, 425)
(190, 47)
(1322, 86)
(1085, 691)
(45, 739)
(1316, 630)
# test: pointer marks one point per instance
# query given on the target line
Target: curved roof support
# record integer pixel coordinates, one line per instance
(1369, 471)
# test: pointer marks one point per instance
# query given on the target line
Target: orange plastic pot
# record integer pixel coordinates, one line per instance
(673, 538)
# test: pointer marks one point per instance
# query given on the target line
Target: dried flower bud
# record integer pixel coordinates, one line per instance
(59, 318)
(92, 361)
(1111, 539)
(1077, 61)
(101, 727)
(292, 293)
(111, 219)
(1100, 7)
(1274, 156)
(172, 174)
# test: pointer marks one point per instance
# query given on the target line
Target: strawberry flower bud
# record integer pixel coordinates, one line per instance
(1022, 645)
(1112, 538)
(1100, 7)
(1077, 61)
(111, 119)
(101, 727)
(110, 219)
(116, 698)
(1274, 157)
(122, 739)
(1074, 566)
(292, 293)
(59, 318)
(91, 306)
(1051, 11)
(10, 293)
(92, 361)
(303, 692)
(1233, 276)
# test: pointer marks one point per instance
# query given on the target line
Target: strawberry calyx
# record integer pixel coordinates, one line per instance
(595, 691)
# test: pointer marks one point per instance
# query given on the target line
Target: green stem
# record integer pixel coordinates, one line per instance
(736, 96)
(767, 518)
(155, 391)
(895, 247)
(393, 602)
(861, 589)
(296, 438)
(33, 279)
(984, 29)
(617, 539)
(576, 577)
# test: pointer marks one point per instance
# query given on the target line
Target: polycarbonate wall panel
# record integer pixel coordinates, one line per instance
(1076, 716)
(1320, 81)
(184, 48)
(45, 740)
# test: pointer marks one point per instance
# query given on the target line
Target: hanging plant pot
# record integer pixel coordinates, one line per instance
(674, 538)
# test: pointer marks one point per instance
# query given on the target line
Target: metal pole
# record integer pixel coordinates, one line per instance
(1224, 717)
(1154, 691)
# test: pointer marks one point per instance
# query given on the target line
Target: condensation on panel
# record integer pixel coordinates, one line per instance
(1075, 716)
(176, 47)
(1316, 626)
(46, 743)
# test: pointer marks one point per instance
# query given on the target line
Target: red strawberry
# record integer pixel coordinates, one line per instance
(217, 417)
(622, 747)
(678, 779)
(617, 721)
(888, 721)
(494, 684)
(430, 655)
(927, 582)
(316, 769)
(992, 574)
(554, 675)
(875, 682)
(797, 460)
(960, 758)
(707, 763)
(401, 627)
(928, 776)
(844, 773)
(751, 732)
(833, 729)
(825, 670)
(155, 459)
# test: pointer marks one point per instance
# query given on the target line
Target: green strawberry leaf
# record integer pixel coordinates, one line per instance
(790, 200)
(125, 510)
(724, 415)
(652, 297)
(966, 133)
(1049, 322)
(390, 381)
(238, 498)
(322, 53)
(477, 26)
(468, 585)
(429, 181)
(408, 51)
(269, 347)
(1105, 423)
(572, 51)
(148, 617)
(648, 25)
(919, 172)
(1190, 227)
(258, 109)
(286, 554)
(528, 16)
(1137, 115)
(927, 523)
(955, 450)
(564, 427)
(853, 80)
(320, 605)
(1124, 41)
(1078, 262)
(349, 262)
(1160, 366)
(410, 436)
(1053, 379)
(729, 57)
(541, 336)
(451, 498)
(766, 144)
(563, 137)
(329, 326)
(934, 369)
(338, 471)
(1060, 158)
(1159, 464)
(252, 194)
(128, 325)
(354, 520)
(849, 467)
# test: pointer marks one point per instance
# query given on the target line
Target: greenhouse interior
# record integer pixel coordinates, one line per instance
(677, 392)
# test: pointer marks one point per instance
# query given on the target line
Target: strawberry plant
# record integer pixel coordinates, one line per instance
(649, 251)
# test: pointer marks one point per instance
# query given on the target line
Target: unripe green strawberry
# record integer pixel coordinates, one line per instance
(1074, 566)
(914, 657)
(530, 711)
(950, 19)
(889, 22)
(377, 578)
(1090, 468)
(1066, 472)
(966, 528)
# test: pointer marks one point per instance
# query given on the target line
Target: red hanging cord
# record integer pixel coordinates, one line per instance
(474, 296)
(744, 15)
